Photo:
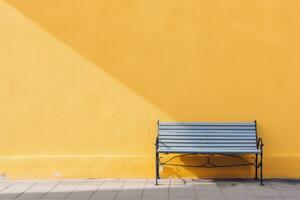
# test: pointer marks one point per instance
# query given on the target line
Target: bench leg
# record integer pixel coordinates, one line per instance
(156, 168)
(261, 169)
(256, 166)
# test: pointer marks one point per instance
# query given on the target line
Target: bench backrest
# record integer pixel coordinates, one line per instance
(215, 136)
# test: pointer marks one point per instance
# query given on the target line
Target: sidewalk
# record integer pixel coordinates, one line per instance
(134, 189)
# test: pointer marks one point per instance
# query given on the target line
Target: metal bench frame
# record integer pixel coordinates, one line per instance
(209, 164)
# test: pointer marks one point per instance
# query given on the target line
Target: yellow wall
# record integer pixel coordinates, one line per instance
(82, 83)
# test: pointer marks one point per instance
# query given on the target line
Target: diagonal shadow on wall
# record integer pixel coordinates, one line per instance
(169, 53)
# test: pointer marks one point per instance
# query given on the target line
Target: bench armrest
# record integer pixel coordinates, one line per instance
(156, 142)
(260, 143)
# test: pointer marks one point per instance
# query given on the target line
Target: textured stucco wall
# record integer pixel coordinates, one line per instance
(82, 83)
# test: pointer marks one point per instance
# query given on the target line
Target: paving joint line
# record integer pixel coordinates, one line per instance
(68, 195)
(9, 185)
(169, 188)
(195, 193)
(281, 196)
(142, 194)
(118, 192)
(25, 190)
(50, 189)
(91, 196)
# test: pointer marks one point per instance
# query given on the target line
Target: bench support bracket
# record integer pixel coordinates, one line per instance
(260, 145)
(157, 168)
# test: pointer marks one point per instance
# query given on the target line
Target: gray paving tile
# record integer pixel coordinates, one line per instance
(132, 189)
(283, 185)
(181, 190)
(269, 198)
(289, 193)
(204, 184)
(209, 194)
(266, 193)
(15, 190)
(234, 193)
(109, 189)
(240, 198)
(4, 185)
(156, 198)
(38, 190)
(62, 190)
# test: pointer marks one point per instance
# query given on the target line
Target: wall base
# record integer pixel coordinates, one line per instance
(131, 166)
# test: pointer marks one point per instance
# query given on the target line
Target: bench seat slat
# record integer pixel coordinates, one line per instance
(206, 131)
(205, 135)
(206, 141)
(207, 138)
(208, 123)
(207, 127)
(209, 134)
(210, 151)
(207, 145)
(208, 148)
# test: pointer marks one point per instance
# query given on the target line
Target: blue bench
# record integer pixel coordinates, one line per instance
(209, 138)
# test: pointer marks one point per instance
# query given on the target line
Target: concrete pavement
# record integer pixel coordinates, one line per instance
(144, 189)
